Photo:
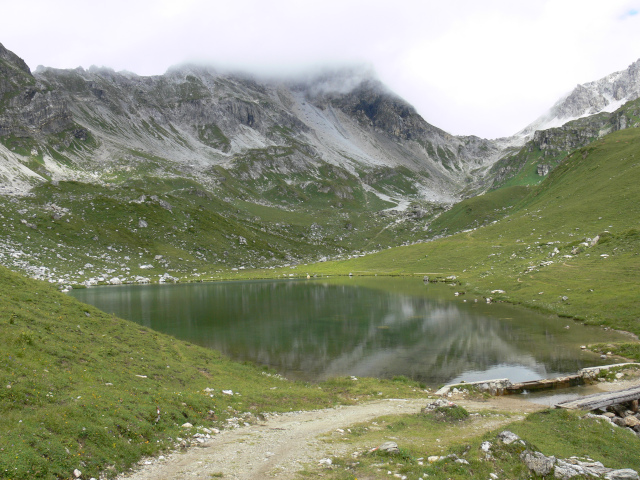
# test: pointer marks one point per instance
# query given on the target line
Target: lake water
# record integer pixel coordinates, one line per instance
(376, 326)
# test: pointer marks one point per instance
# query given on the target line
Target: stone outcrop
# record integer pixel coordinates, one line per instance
(552, 467)
(28, 108)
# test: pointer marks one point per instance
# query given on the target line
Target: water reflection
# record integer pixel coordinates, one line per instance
(364, 327)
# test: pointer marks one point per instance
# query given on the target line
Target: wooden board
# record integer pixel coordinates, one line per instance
(602, 400)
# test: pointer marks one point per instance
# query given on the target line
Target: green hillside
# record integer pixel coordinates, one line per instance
(539, 252)
(79, 388)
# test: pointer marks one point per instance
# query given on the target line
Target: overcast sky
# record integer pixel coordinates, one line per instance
(480, 67)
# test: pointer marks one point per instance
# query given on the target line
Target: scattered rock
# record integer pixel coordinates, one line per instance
(437, 404)
(77, 473)
(186, 425)
(390, 447)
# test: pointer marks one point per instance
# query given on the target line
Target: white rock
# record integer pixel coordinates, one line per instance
(622, 474)
(508, 437)
(485, 446)
(391, 447)
(77, 473)
(186, 425)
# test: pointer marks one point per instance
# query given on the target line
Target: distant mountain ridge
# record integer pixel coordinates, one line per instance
(154, 177)
(604, 95)
(195, 118)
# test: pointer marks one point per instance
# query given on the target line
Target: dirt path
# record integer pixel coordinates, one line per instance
(281, 445)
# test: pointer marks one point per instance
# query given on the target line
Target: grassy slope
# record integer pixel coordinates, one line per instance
(594, 192)
(199, 235)
(72, 392)
(478, 211)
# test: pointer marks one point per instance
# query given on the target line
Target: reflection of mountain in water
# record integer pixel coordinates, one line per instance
(319, 330)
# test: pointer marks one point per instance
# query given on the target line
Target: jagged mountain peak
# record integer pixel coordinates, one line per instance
(604, 95)
(14, 59)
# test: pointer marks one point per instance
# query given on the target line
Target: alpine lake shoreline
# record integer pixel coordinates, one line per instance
(219, 391)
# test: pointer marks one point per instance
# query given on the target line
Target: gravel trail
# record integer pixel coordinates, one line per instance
(281, 445)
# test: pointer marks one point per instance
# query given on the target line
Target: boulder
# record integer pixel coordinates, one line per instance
(564, 471)
(631, 421)
(537, 462)
(623, 474)
(508, 437)
(390, 447)
(441, 402)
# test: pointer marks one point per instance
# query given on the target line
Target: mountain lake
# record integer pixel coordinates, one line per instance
(362, 326)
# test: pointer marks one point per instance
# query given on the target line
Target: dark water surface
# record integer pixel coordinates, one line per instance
(379, 327)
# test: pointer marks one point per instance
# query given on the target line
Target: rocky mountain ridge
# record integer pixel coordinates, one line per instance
(198, 167)
(195, 119)
(604, 95)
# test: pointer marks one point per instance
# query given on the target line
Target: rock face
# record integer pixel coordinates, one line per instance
(28, 108)
(278, 134)
(604, 95)
(195, 119)
(555, 143)
(543, 170)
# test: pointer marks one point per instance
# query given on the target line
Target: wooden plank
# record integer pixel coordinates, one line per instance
(602, 400)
